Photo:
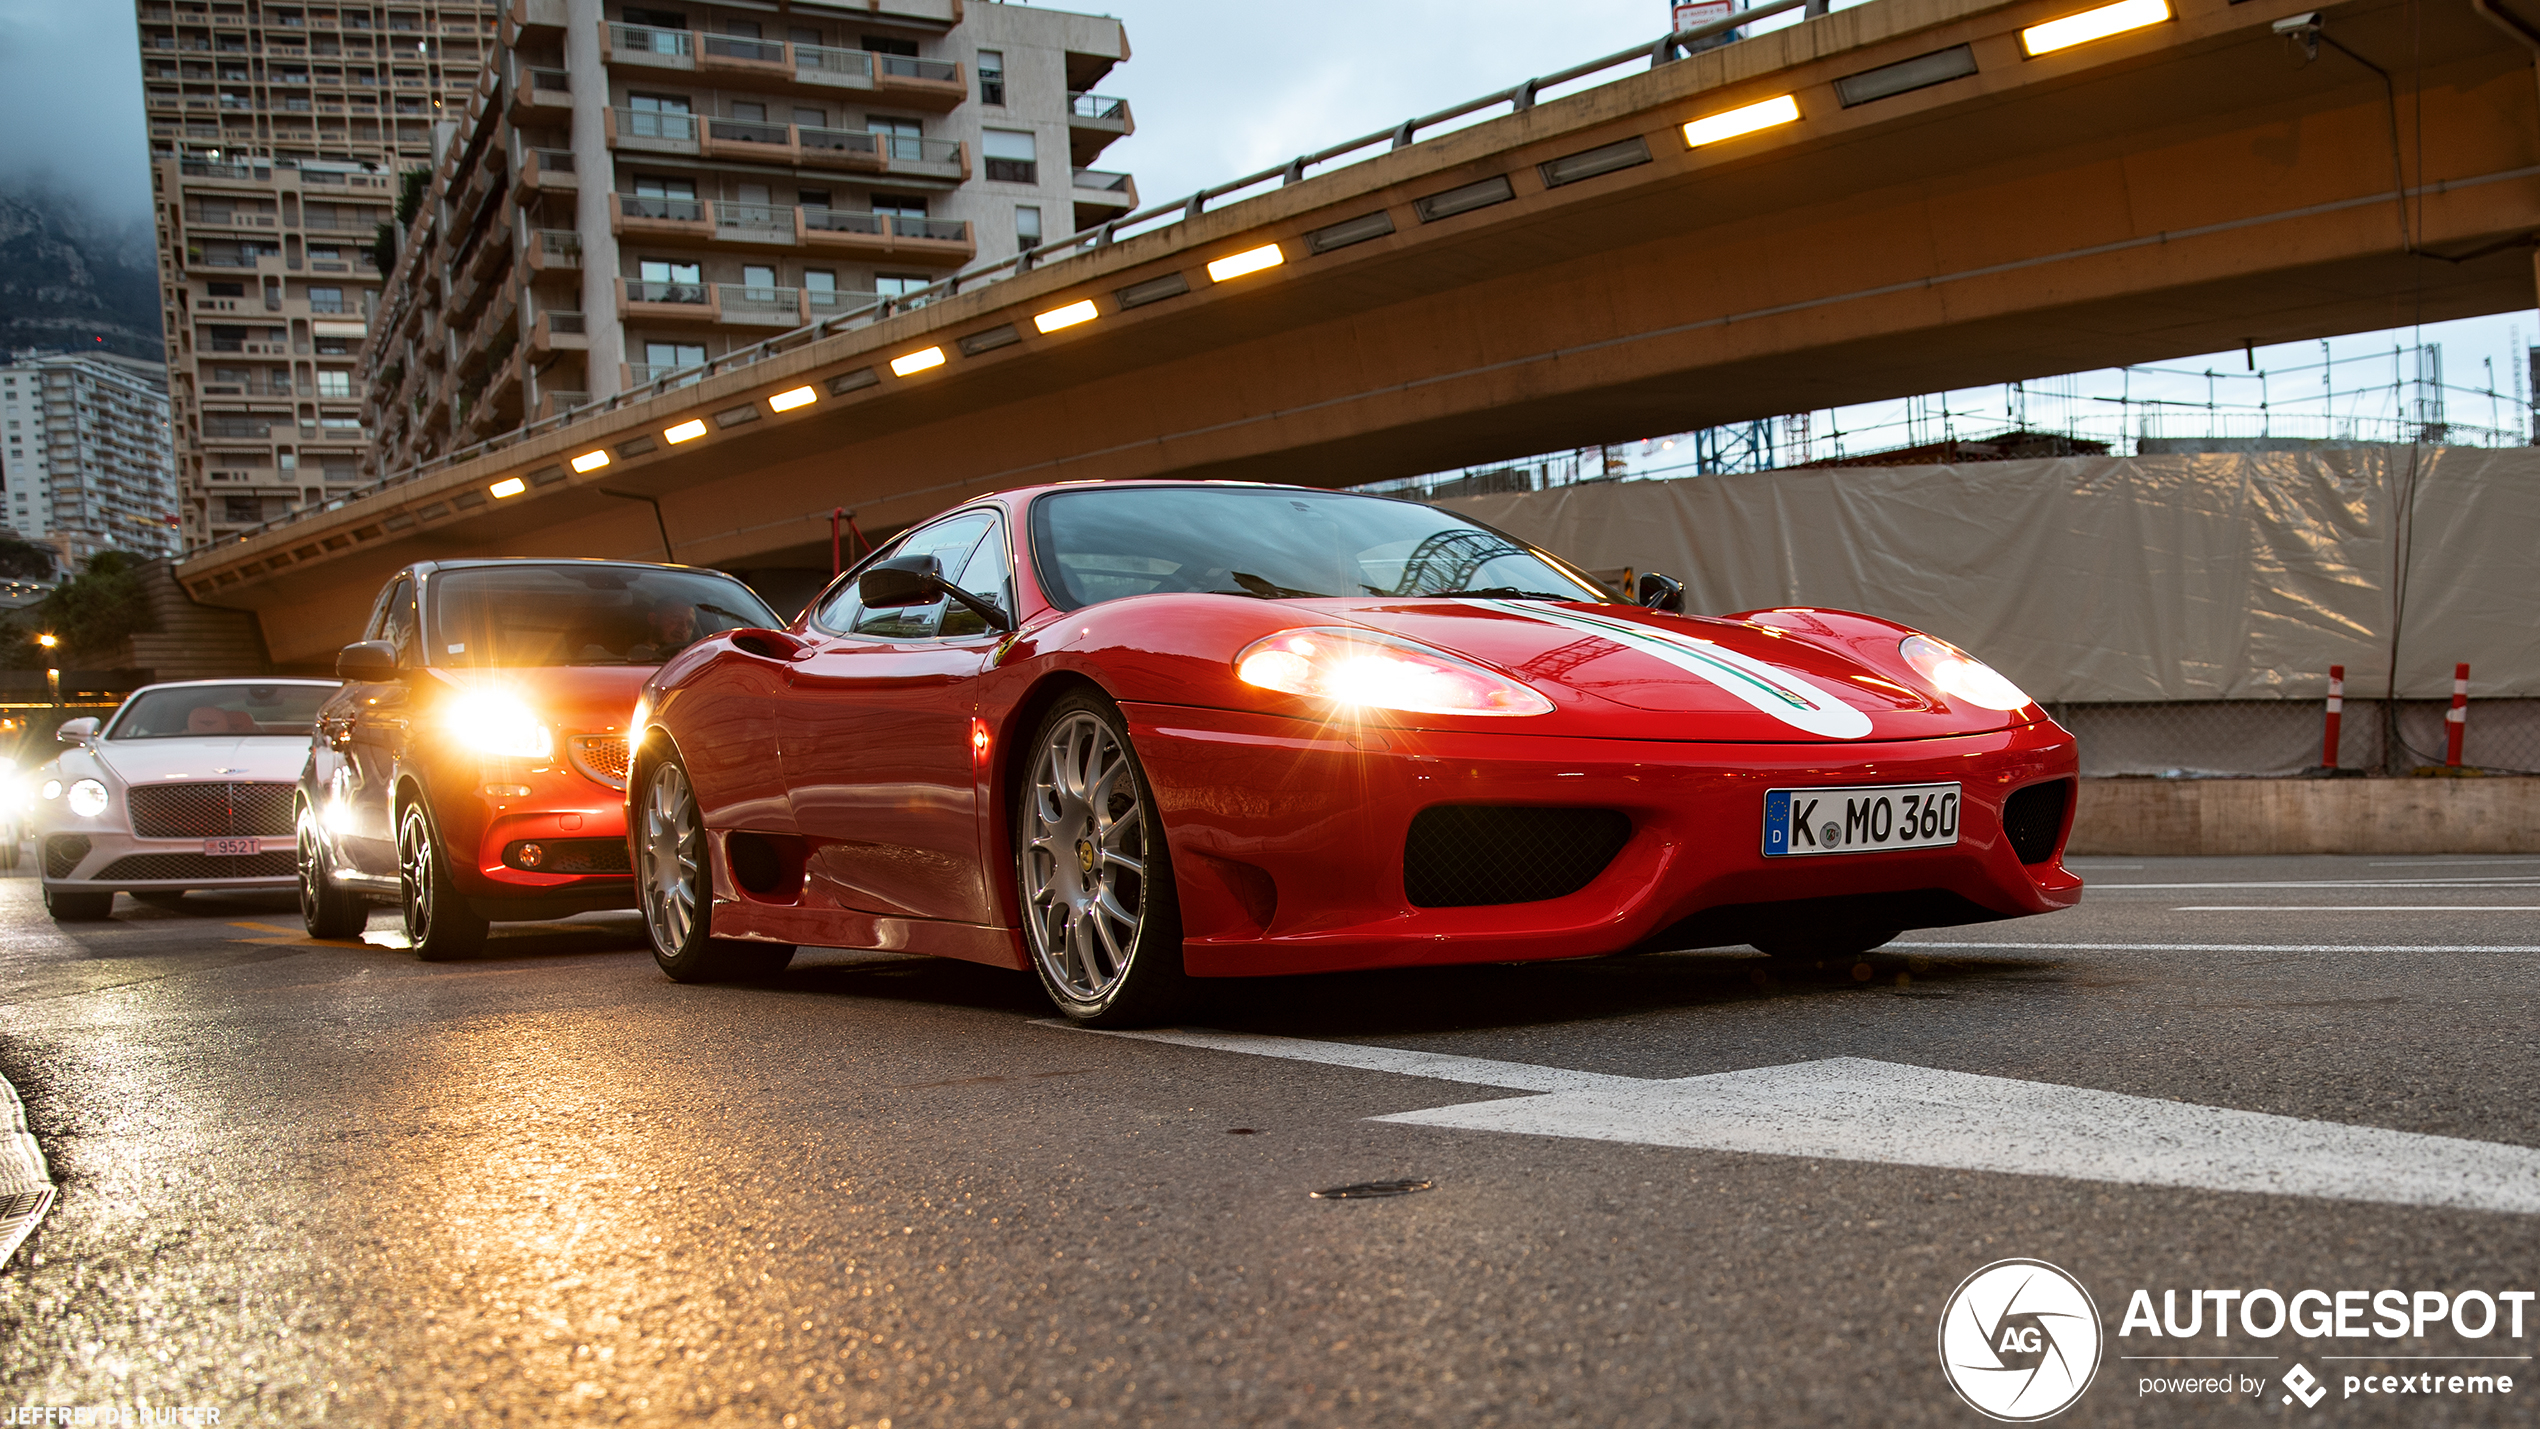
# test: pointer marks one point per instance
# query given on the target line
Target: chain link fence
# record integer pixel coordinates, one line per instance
(2276, 738)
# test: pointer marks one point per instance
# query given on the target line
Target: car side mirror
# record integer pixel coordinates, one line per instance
(369, 661)
(901, 581)
(77, 731)
(1659, 592)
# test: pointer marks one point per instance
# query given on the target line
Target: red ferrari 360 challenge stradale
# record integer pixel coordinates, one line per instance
(1128, 735)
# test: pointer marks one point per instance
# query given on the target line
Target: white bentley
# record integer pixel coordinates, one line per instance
(187, 786)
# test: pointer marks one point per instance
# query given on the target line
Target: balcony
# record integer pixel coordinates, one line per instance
(557, 250)
(661, 217)
(819, 303)
(760, 307)
(750, 139)
(930, 241)
(556, 404)
(549, 171)
(543, 96)
(733, 55)
(537, 19)
(559, 331)
(922, 158)
(756, 225)
(849, 149)
(641, 301)
(644, 46)
(1093, 122)
(652, 132)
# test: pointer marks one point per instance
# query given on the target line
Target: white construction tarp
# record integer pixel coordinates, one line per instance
(2218, 577)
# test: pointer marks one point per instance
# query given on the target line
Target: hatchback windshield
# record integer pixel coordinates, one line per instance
(1102, 543)
(528, 614)
(181, 711)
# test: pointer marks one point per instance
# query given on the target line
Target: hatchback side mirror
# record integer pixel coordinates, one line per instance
(371, 662)
(1658, 592)
(919, 580)
(77, 731)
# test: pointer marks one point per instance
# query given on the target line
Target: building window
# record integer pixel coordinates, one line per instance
(759, 281)
(1027, 227)
(662, 357)
(242, 509)
(659, 116)
(326, 300)
(900, 205)
(1010, 155)
(899, 137)
(885, 45)
(335, 384)
(662, 280)
(992, 77)
(812, 198)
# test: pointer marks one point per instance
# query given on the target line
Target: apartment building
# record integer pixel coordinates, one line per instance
(277, 135)
(634, 189)
(86, 464)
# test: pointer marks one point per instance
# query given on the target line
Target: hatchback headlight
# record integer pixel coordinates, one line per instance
(493, 723)
(87, 798)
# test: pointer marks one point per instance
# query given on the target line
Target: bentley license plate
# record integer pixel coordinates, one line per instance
(1859, 820)
(232, 848)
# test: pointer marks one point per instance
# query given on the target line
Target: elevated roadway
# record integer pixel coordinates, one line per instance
(1532, 281)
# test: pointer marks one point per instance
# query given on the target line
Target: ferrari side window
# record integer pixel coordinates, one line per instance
(985, 575)
(948, 541)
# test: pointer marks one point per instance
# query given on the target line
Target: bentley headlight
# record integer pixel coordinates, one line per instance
(493, 723)
(87, 798)
(1960, 676)
(1366, 668)
(52, 789)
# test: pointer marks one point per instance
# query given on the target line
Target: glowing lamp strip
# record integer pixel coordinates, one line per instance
(1251, 260)
(1746, 119)
(508, 486)
(788, 401)
(917, 362)
(590, 461)
(2093, 24)
(687, 431)
(1065, 317)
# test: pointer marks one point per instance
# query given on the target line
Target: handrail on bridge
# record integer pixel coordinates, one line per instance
(1521, 97)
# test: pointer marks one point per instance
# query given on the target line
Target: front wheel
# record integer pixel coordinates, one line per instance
(439, 923)
(328, 911)
(1097, 880)
(670, 879)
(69, 907)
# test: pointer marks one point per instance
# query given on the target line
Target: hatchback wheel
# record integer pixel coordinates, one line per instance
(328, 911)
(439, 923)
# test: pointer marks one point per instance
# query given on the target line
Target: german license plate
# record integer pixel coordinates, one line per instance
(232, 848)
(1859, 820)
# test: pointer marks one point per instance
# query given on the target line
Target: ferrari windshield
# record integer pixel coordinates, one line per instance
(1105, 542)
(194, 711)
(521, 614)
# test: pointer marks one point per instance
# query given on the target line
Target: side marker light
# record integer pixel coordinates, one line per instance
(1065, 317)
(1745, 119)
(788, 401)
(917, 362)
(2092, 24)
(1251, 260)
(687, 431)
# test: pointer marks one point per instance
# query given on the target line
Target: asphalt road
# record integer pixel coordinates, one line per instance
(308, 1182)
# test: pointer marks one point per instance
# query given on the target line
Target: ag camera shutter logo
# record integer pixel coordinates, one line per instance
(2019, 1341)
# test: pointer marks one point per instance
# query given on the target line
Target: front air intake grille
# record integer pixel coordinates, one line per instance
(62, 853)
(601, 757)
(2032, 819)
(206, 811)
(169, 867)
(1467, 855)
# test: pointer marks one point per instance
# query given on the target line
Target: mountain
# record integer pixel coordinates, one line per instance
(69, 277)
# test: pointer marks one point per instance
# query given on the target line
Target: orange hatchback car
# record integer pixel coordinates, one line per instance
(473, 766)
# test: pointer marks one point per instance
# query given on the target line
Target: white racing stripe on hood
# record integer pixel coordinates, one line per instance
(1778, 693)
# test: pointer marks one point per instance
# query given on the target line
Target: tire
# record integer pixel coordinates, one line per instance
(167, 899)
(69, 907)
(439, 923)
(8, 848)
(672, 885)
(1827, 946)
(326, 910)
(1094, 875)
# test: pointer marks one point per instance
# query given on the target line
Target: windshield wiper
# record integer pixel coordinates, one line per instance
(1256, 586)
(1500, 592)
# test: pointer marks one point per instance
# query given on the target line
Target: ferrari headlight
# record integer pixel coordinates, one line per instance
(1366, 668)
(490, 722)
(87, 798)
(1961, 676)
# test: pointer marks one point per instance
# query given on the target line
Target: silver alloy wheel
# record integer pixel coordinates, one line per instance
(670, 858)
(1084, 862)
(414, 875)
(312, 873)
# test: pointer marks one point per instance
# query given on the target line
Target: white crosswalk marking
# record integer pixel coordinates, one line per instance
(1856, 1109)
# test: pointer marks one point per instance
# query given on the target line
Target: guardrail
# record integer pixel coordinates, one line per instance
(1519, 98)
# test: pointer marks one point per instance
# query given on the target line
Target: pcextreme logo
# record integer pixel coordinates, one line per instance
(2019, 1341)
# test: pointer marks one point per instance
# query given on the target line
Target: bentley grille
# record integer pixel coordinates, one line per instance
(154, 867)
(191, 811)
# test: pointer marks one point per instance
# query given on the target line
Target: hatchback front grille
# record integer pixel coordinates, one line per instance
(1469, 855)
(168, 867)
(191, 811)
(601, 757)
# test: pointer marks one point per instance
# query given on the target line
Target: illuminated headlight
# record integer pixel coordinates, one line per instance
(52, 789)
(1363, 668)
(492, 723)
(1961, 676)
(87, 798)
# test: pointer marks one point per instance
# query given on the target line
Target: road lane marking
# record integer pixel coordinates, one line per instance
(2359, 908)
(2231, 947)
(1857, 1109)
(26, 1184)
